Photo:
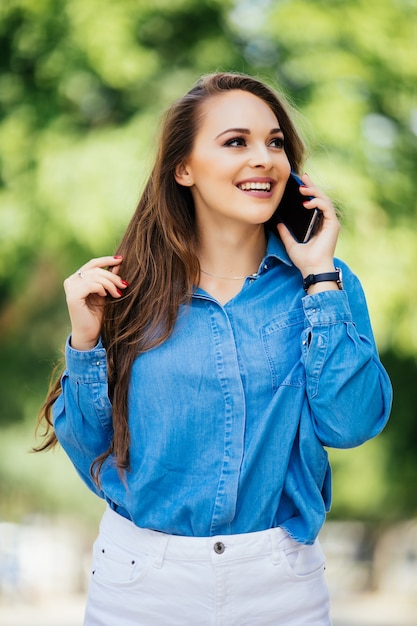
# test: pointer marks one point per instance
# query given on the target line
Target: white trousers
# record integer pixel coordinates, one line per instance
(145, 578)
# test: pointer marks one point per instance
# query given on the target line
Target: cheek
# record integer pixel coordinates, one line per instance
(209, 173)
(209, 169)
(285, 165)
(206, 192)
(201, 163)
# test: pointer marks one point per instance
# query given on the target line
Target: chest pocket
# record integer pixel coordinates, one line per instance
(281, 340)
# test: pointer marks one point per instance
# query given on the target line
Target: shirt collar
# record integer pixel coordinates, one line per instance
(275, 251)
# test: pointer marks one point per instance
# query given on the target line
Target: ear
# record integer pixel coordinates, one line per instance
(182, 175)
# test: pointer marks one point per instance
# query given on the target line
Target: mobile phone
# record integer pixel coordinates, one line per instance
(291, 212)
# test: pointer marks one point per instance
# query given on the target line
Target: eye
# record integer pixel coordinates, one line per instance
(277, 142)
(235, 142)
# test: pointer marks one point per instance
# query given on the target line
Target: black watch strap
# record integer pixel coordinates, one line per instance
(312, 279)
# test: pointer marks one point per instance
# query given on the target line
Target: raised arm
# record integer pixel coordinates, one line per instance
(82, 413)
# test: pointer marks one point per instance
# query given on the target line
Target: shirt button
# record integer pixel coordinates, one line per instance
(219, 547)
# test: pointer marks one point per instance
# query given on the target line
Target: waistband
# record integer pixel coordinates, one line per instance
(162, 546)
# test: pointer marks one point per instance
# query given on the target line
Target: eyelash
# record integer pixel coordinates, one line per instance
(242, 142)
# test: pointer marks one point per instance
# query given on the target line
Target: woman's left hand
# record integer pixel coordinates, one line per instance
(315, 256)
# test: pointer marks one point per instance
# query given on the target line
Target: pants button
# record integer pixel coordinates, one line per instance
(219, 547)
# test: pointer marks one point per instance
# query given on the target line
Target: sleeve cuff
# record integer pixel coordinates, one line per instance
(327, 307)
(89, 366)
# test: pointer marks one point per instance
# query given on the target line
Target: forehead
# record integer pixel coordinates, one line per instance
(236, 108)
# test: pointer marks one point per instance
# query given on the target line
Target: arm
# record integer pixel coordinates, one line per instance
(349, 391)
(82, 413)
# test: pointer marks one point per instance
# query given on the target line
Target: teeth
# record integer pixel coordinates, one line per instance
(255, 186)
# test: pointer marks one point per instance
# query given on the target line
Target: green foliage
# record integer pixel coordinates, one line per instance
(82, 83)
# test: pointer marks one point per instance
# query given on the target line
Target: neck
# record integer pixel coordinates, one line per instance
(229, 257)
(226, 277)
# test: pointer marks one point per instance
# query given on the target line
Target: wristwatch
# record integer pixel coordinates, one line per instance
(312, 279)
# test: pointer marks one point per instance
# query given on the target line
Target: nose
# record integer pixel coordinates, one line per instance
(260, 157)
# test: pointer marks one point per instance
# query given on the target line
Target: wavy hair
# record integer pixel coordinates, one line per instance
(159, 251)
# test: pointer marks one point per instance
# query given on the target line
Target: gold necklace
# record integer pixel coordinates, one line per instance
(228, 277)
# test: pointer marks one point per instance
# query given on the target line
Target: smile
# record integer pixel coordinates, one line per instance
(255, 186)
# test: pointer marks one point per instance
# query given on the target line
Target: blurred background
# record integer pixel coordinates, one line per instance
(82, 86)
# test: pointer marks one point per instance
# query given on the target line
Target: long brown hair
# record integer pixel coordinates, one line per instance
(159, 251)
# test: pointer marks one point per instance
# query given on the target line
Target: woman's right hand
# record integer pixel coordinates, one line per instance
(86, 292)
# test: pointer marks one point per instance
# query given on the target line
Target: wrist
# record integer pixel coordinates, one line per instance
(81, 344)
(318, 269)
(323, 286)
(329, 280)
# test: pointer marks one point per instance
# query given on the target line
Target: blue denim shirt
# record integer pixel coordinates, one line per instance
(230, 417)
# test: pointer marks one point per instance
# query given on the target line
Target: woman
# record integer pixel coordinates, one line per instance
(203, 383)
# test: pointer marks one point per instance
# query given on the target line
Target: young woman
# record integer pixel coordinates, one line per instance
(203, 382)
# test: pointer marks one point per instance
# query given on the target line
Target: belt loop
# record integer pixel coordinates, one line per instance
(275, 549)
(160, 551)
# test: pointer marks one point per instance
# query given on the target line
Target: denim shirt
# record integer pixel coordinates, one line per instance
(230, 417)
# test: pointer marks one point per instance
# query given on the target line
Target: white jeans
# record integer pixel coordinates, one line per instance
(146, 578)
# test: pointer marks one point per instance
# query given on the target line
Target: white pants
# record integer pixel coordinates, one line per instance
(146, 578)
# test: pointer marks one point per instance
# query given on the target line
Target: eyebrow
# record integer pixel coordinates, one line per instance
(246, 131)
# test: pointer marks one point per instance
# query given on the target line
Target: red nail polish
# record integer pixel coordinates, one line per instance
(120, 292)
(117, 256)
(125, 283)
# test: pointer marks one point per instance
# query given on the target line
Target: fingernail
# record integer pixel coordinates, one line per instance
(125, 283)
(120, 292)
(117, 256)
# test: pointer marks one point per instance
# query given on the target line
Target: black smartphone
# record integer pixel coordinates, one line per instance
(291, 212)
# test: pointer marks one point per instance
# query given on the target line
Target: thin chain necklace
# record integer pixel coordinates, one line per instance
(227, 277)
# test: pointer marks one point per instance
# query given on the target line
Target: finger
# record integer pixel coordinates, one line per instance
(308, 182)
(112, 288)
(308, 188)
(103, 285)
(317, 200)
(90, 273)
(102, 262)
(286, 237)
(98, 282)
(114, 269)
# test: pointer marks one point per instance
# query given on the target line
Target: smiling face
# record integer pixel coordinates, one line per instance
(238, 167)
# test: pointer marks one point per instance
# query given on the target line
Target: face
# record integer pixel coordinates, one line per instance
(238, 168)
